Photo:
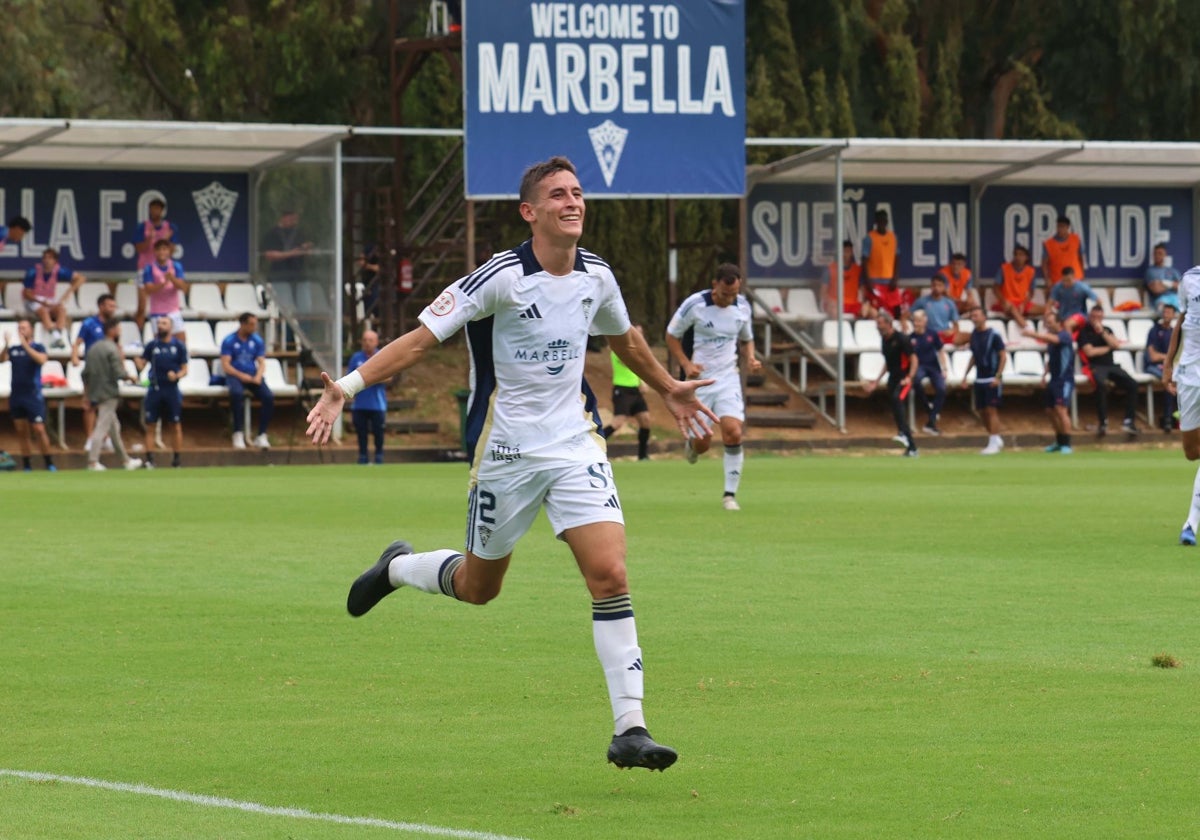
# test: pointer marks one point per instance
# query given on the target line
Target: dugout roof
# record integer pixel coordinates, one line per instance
(176, 146)
(982, 162)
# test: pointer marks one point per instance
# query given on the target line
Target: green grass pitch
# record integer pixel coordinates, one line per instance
(873, 647)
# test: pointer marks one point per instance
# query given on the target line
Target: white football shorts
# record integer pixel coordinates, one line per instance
(724, 397)
(1187, 382)
(501, 509)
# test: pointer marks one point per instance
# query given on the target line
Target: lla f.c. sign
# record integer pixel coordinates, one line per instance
(646, 99)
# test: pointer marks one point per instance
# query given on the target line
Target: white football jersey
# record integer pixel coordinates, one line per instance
(527, 331)
(717, 332)
(1189, 311)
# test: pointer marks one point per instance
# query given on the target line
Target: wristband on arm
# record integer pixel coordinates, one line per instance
(351, 384)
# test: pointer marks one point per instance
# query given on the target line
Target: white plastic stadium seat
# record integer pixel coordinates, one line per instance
(959, 360)
(866, 335)
(1124, 360)
(128, 391)
(771, 298)
(14, 299)
(870, 364)
(829, 336)
(243, 297)
(802, 306)
(221, 329)
(273, 376)
(195, 381)
(5, 379)
(1126, 295)
(84, 302)
(1105, 300)
(130, 337)
(204, 301)
(200, 339)
(1139, 331)
(1024, 367)
(127, 299)
(1118, 328)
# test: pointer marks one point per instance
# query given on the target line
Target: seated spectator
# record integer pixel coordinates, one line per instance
(1161, 279)
(1158, 341)
(243, 358)
(1060, 373)
(1096, 346)
(42, 300)
(931, 365)
(940, 310)
(959, 285)
(1015, 282)
(854, 298)
(1069, 299)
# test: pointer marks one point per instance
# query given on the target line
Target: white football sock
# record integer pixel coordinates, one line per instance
(615, 635)
(1194, 512)
(733, 467)
(429, 571)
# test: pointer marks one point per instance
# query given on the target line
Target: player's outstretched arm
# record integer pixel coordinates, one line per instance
(692, 416)
(398, 355)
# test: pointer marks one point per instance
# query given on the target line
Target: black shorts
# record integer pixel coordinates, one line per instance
(628, 402)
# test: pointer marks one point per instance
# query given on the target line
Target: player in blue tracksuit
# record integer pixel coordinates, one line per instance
(1060, 368)
(167, 357)
(26, 405)
(369, 410)
(988, 357)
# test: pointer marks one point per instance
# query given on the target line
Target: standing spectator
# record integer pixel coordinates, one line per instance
(25, 404)
(285, 248)
(1060, 372)
(91, 331)
(1015, 282)
(537, 448)
(988, 358)
(1096, 346)
(103, 373)
(1158, 342)
(369, 409)
(1069, 299)
(167, 357)
(41, 285)
(1161, 279)
(881, 256)
(855, 301)
(931, 365)
(940, 311)
(145, 240)
(243, 358)
(959, 286)
(1181, 372)
(628, 401)
(721, 320)
(164, 284)
(898, 358)
(1063, 250)
(14, 231)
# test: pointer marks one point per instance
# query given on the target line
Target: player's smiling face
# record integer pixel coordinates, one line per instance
(557, 212)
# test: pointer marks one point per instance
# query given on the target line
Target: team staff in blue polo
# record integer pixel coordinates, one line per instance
(243, 358)
(26, 405)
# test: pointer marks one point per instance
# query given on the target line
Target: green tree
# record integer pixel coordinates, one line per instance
(36, 81)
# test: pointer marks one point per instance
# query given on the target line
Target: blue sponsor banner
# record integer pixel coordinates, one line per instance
(646, 99)
(792, 227)
(1119, 226)
(91, 217)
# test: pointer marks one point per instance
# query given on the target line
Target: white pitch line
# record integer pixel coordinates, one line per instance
(255, 807)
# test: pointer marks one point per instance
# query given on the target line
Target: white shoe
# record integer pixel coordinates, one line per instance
(97, 467)
(239, 440)
(149, 465)
(991, 450)
(730, 503)
(262, 442)
(691, 454)
(133, 464)
(900, 439)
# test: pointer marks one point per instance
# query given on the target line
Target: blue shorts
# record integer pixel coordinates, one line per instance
(1058, 393)
(164, 402)
(987, 394)
(27, 407)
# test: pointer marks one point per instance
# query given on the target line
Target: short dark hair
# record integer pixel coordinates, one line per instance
(160, 242)
(1063, 220)
(538, 172)
(938, 277)
(1162, 245)
(725, 270)
(51, 252)
(846, 243)
(1068, 270)
(1022, 249)
(881, 214)
(157, 201)
(246, 316)
(104, 298)
(1095, 309)
(20, 222)
(25, 319)
(110, 324)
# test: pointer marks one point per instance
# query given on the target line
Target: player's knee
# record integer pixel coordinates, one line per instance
(1192, 452)
(476, 591)
(608, 582)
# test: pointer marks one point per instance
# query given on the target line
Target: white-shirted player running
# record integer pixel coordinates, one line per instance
(720, 320)
(533, 432)
(1183, 378)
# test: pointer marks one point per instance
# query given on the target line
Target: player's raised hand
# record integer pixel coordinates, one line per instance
(326, 412)
(691, 415)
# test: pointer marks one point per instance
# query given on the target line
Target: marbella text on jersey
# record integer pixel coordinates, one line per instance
(635, 77)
